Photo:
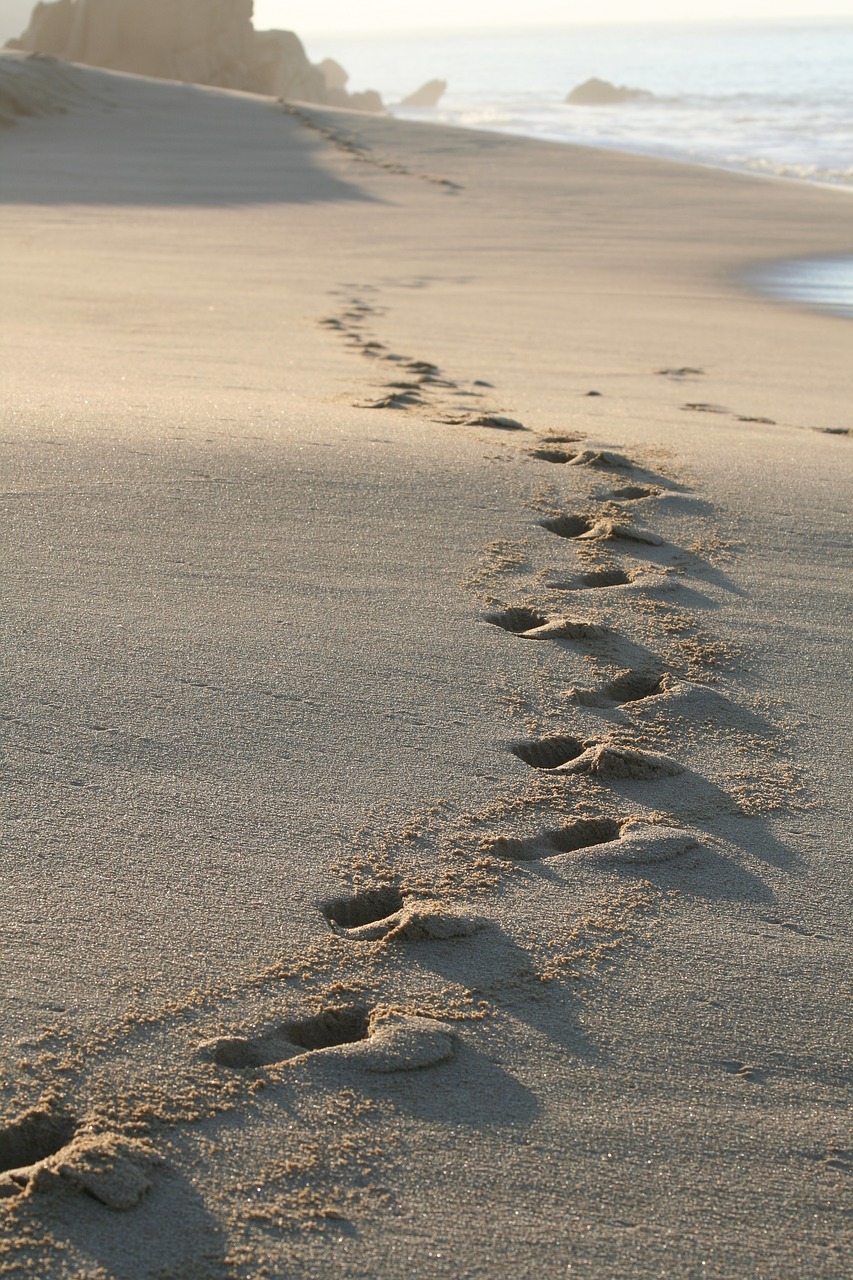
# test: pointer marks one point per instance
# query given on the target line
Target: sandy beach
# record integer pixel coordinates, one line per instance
(427, 598)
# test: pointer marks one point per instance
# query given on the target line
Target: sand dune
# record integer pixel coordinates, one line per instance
(425, 783)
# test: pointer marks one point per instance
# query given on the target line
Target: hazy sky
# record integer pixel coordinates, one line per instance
(342, 15)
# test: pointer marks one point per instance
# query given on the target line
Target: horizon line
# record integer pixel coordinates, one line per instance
(757, 20)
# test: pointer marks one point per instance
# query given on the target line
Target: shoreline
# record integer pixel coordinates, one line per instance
(428, 574)
(640, 152)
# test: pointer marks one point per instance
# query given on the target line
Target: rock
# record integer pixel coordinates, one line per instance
(333, 73)
(429, 94)
(601, 93)
(368, 100)
(194, 41)
(190, 40)
(49, 30)
(282, 69)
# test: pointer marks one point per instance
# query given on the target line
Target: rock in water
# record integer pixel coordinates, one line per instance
(429, 94)
(601, 93)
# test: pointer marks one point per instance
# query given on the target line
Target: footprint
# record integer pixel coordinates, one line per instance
(602, 458)
(570, 755)
(551, 455)
(364, 908)
(705, 408)
(327, 1030)
(30, 1139)
(612, 531)
(399, 400)
(630, 841)
(46, 1152)
(382, 914)
(768, 422)
(518, 619)
(567, 526)
(684, 372)
(579, 833)
(606, 759)
(423, 922)
(605, 576)
(609, 760)
(549, 752)
(633, 493)
(380, 1041)
(627, 687)
(744, 1071)
(497, 420)
(567, 629)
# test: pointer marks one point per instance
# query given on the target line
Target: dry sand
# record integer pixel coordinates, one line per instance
(426, 847)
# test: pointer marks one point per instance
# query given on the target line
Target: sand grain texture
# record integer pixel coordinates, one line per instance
(268, 667)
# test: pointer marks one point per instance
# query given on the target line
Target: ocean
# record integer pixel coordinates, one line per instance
(766, 99)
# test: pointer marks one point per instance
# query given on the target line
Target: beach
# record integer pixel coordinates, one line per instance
(427, 720)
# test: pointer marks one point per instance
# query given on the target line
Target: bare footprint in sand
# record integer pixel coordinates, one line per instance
(567, 526)
(532, 625)
(28, 1140)
(499, 422)
(583, 528)
(517, 619)
(365, 908)
(347, 1036)
(399, 400)
(609, 760)
(614, 762)
(548, 453)
(624, 689)
(603, 458)
(44, 1149)
(613, 531)
(599, 458)
(604, 840)
(633, 493)
(604, 576)
(383, 915)
(701, 407)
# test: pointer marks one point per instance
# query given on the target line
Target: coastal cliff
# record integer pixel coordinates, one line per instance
(196, 41)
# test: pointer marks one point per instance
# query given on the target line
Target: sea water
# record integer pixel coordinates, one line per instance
(757, 98)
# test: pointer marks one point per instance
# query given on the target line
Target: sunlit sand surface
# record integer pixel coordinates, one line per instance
(426, 603)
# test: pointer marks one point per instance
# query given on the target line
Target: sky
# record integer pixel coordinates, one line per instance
(326, 17)
(330, 16)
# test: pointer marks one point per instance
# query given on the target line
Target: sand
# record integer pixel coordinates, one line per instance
(426, 622)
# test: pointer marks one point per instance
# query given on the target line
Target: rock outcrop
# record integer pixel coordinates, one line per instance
(429, 94)
(335, 76)
(196, 41)
(601, 93)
